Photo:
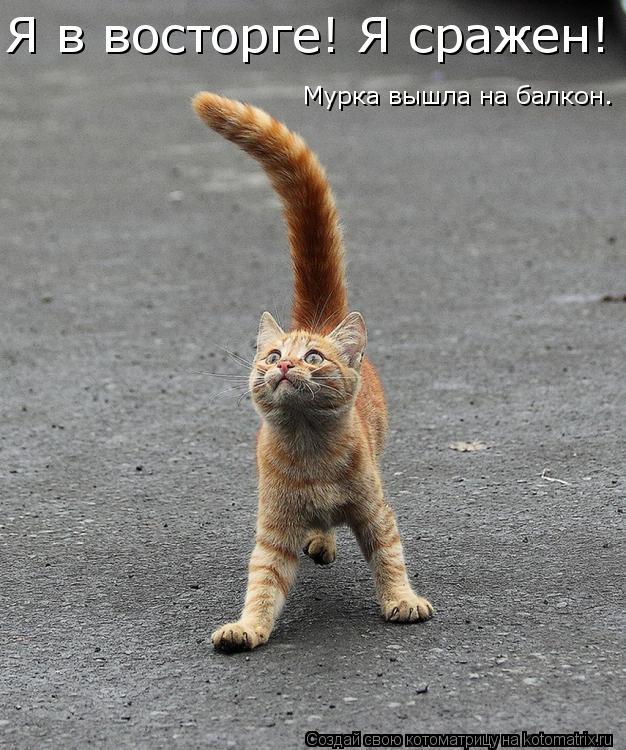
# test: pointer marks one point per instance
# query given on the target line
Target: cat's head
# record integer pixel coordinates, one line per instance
(300, 371)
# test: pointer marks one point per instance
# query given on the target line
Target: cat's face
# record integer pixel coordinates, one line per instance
(307, 371)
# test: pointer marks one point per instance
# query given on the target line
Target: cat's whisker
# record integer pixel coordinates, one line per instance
(330, 388)
(256, 386)
(309, 386)
(338, 374)
(277, 316)
(243, 395)
(225, 375)
(326, 381)
(227, 391)
(236, 357)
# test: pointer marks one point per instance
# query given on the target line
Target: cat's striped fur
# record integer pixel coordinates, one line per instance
(320, 400)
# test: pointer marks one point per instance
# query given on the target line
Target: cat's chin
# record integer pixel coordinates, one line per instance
(290, 396)
(284, 386)
(289, 399)
(287, 389)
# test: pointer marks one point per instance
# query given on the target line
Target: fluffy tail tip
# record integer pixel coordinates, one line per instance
(215, 109)
(204, 102)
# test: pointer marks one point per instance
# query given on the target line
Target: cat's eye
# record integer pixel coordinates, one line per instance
(273, 357)
(313, 358)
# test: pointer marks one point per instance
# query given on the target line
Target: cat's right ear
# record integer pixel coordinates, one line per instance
(269, 330)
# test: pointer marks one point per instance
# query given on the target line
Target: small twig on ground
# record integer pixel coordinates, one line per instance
(553, 479)
(466, 447)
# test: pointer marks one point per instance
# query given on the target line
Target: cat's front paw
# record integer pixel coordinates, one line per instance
(408, 608)
(322, 549)
(238, 636)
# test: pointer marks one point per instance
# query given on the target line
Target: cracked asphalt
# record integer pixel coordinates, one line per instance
(487, 251)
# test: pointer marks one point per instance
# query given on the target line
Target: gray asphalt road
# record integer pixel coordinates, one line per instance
(135, 244)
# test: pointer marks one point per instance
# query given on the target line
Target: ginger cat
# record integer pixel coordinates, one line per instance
(320, 400)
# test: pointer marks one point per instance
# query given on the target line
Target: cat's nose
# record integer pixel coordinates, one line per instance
(284, 365)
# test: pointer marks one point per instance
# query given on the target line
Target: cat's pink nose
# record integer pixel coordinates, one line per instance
(284, 365)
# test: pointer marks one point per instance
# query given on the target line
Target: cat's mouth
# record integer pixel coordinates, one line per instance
(285, 382)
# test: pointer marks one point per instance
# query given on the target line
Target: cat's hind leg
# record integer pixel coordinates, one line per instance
(321, 547)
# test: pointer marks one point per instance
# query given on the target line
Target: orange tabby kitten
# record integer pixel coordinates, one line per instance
(321, 403)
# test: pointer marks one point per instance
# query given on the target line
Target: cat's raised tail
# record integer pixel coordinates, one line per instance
(320, 297)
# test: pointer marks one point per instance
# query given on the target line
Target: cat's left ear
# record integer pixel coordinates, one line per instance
(351, 338)
(269, 330)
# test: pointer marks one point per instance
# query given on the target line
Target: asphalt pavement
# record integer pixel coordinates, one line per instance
(487, 252)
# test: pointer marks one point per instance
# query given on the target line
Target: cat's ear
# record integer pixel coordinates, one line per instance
(269, 330)
(351, 338)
